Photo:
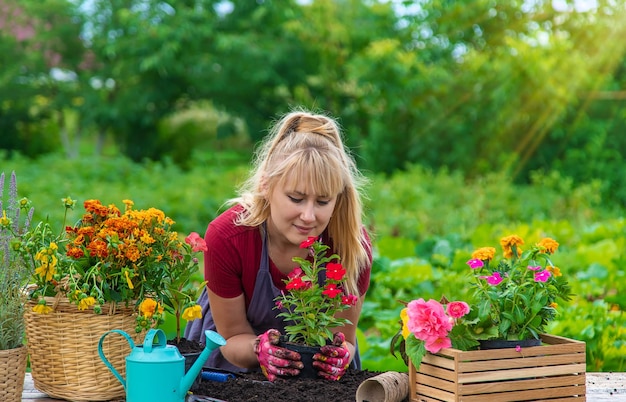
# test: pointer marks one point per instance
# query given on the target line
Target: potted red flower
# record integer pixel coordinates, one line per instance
(314, 295)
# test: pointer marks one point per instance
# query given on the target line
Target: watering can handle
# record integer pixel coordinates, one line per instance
(148, 341)
(106, 361)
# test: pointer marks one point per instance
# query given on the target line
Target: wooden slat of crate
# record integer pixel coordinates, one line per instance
(534, 383)
(554, 370)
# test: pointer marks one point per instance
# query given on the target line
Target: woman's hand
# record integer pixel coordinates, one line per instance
(333, 360)
(274, 360)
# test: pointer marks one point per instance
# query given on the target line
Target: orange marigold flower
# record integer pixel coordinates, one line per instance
(508, 242)
(484, 253)
(133, 253)
(98, 248)
(549, 245)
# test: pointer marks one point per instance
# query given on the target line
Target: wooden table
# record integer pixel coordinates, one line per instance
(601, 387)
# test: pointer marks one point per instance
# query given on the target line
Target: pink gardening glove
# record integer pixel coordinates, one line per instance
(274, 360)
(333, 360)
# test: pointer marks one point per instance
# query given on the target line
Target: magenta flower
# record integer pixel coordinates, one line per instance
(494, 279)
(542, 276)
(475, 263)
(534, 267)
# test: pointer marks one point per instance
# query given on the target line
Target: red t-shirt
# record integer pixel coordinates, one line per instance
(232, 260)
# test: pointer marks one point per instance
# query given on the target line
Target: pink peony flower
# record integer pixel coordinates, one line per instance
(428, 319)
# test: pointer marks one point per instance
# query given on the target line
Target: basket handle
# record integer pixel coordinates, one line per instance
(106, 361)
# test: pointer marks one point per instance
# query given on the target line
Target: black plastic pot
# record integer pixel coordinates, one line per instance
(306, 353)
(504, 344)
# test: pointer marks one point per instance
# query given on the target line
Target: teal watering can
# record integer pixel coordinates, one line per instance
(156, 370)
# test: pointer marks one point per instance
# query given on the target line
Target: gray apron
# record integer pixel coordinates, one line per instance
(261, 315)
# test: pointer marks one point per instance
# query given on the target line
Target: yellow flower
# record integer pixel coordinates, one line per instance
(404, 315)
(4, 221)
(149, 306)
(192, 313)
(41, 308)
(87, 302)
(553, 305)
(484, 253)
(128, 280)
(48, 261)
(68, 202)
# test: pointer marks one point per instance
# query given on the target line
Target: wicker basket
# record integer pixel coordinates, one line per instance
(12, 369)
(63, 348)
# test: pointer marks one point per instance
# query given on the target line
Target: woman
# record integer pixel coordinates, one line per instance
(304, 183)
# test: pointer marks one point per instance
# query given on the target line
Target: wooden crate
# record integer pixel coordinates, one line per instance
(554, 371)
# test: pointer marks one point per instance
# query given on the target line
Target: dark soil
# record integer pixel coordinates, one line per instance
(253, 387)
(186, 346)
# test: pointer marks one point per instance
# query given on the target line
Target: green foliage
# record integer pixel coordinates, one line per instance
(15, 218)
(466, 86)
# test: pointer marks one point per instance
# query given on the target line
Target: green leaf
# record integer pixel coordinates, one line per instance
(416, 350)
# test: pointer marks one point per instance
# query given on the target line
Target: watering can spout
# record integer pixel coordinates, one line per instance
(213, 341)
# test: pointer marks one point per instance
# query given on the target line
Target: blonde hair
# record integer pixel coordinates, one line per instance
(307, 147)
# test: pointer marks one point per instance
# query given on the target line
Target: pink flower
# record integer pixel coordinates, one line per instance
(494, 279)
(457, 309)
(427, 319)
(434, 345)
(296, 273)
(518, 348)
(534, 267)
(475, 263)
(197, 243)
(349, 300)
(542, 276)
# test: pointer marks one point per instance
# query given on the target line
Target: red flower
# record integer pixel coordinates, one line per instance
(331, 291)
(308, 242)
(335, 271)
(297, 283)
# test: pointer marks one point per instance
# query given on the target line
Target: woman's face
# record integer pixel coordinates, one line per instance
(296, 213)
